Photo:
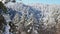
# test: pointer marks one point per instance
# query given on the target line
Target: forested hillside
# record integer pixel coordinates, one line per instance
(32, 19)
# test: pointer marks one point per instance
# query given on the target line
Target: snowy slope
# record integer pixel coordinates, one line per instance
(19, 8)
(43, 14)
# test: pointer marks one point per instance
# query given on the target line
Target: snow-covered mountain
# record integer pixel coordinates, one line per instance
(43, 16)
(19, 8)
(19, 11)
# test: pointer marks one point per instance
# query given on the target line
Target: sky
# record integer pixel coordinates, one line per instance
(40, 1)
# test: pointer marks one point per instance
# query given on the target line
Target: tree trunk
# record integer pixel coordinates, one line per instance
(23, 32)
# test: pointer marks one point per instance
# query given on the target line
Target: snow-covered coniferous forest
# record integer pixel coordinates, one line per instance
(29, 19)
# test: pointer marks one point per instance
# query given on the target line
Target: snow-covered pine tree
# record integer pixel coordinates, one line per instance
(32, 26)
(22, 22)
(16, 22)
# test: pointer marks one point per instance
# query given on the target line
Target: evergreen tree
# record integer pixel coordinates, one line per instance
(4, 9)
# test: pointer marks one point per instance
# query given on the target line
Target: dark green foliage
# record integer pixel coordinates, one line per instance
(12, 27)
(3, 7)
(2, 22)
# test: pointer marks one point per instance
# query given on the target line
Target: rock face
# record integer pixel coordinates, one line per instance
(40, 17)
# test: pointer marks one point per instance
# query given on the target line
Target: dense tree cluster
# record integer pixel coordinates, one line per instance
(33, 19)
